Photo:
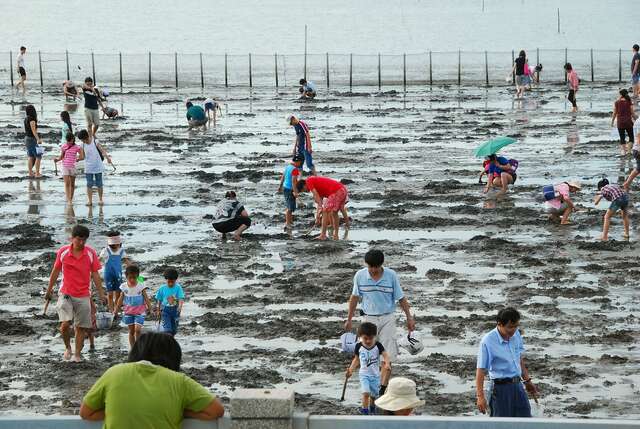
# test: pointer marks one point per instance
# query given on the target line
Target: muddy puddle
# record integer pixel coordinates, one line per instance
(268, 311)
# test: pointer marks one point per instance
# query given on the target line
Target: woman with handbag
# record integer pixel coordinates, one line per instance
(32, 141)
(94, 154)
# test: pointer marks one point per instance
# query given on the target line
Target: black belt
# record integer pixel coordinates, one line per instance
(511, 380)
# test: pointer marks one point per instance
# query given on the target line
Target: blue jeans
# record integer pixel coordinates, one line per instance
(94, 180)
(170, 319)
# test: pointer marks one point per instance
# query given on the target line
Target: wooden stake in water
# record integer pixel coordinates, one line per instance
(201, 72)
(327, 57)
(120, 60)
(350, 71)
(226, 74)
(305, 51)
(379, 72)
(483, 5)
(592, 65)
(11, 66)
(149, 69)
(558, 20)
(486, 67)
(275, 57)
(430, 71)
(66, 54)
(93, 68)
(40, 68)
(175, 62)
(250, 74)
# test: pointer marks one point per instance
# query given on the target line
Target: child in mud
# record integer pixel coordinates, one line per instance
(288, 185)
(212, 108)
(367, 355)
(170, 298)
(70, 154)
(136, 301)
(307, 89)
(619, 201)
(558, 200)
(112, 257)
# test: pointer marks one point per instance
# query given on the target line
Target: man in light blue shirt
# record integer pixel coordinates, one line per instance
(501, 356)
(379, 289)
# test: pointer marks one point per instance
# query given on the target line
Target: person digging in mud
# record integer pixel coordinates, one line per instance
(195, 116)
(121, 397)
(231, 216)
(619, 201)
(558, 200)
(78, 264)
(501, 355)
(307, 89)
(302, 145)
(288, 186)
(379, 289)
(502, 173)
(369, 353)
(330, 197)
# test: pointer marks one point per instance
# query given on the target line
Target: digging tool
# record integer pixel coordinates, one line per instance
(344, 388)
(46, 306)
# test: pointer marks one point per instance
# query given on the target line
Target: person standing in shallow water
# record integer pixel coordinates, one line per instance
(623, 115)
(518, 68)
(21, 70)
(32, 141)
(501, 356)
(635, 70)
(573, 82)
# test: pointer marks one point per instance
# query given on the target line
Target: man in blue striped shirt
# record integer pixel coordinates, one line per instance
(379, 289)
(501, 356)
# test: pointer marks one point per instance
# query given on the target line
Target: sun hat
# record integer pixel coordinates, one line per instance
(290, 118)
(348, 342)
(400, 395)
(575, 184)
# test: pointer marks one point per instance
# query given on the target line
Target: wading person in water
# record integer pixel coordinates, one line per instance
(573, 82)
(79, 264)
(92, 106)
(378, 289)
(501, 356)
(32, 141)
(635, 70)
(519, 69)
(623, 115)
(21, 70)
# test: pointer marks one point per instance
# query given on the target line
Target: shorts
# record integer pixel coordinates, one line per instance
(92, 116)
(636, 156)
(336, 201)
(232, 224)
(621, 203)
(386, 324)
(370, 384)
(133, 319)
(112, 283)
(635, 79)
(289, 200)
(170, 319)
(519, 80)
(32, 146)
(94, 180)
(77, 309)
(22, 72)
(69, 171)
(197, 122)
(557, 211)
(209, 106)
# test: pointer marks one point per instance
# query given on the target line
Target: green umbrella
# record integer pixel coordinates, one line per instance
(492, 146)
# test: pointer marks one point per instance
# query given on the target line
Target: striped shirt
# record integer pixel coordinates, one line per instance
(304, 137)
(133, 301)
(378, 296)
(611, 192)
(70, 155)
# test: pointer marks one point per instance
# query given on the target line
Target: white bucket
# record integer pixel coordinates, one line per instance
(104, 319)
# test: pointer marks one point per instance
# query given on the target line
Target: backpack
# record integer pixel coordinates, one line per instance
(549, 193)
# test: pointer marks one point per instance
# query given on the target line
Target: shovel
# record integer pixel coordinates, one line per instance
(46, 306)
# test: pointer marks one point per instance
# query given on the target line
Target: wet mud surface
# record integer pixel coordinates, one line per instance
(268, 311)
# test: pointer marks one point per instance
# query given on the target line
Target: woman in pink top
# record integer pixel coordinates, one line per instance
(70, 153)
(574, 82)
(562, 204)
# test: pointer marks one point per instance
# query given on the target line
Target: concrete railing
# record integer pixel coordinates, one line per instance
(305, 421)
(273, 409)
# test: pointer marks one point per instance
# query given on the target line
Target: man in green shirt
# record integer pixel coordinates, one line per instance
(146, 394)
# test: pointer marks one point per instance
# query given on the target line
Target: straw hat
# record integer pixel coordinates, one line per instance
(400, 395)
(574, 184)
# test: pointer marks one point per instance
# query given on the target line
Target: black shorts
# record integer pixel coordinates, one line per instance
(232, 224)
(22, 72)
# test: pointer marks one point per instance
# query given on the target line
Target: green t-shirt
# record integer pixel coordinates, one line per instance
(196, 113)
(142, 395)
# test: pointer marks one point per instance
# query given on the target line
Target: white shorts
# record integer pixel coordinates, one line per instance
(77, 309)
(386, 324)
